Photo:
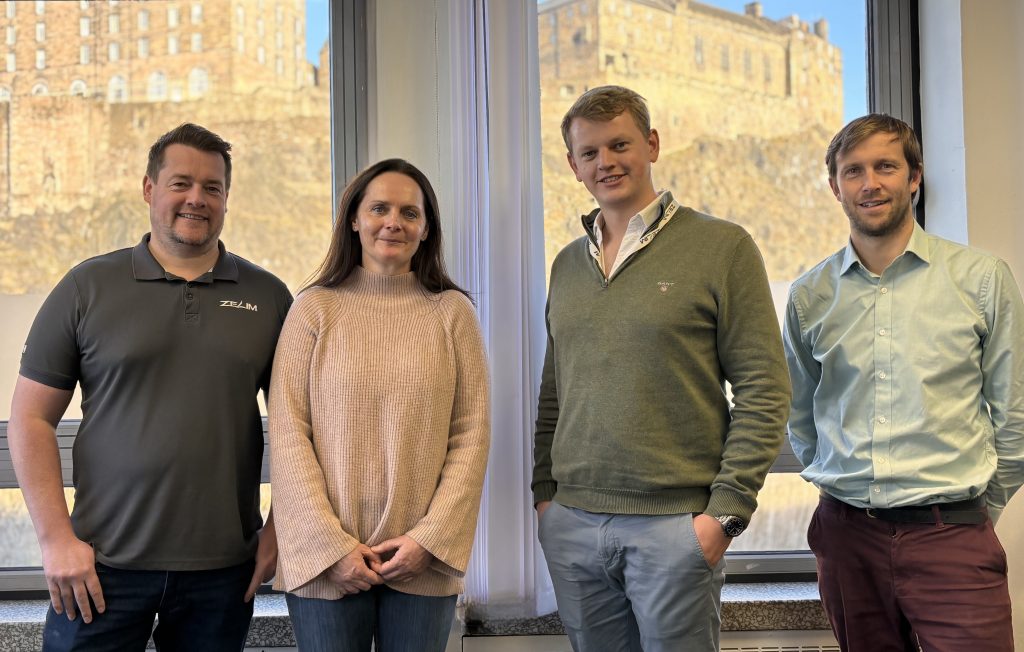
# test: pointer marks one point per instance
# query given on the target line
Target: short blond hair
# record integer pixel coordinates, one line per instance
(606, 103)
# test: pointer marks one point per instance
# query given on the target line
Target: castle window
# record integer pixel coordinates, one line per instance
(172, 45)
(259, 26)
(114, 52)
(117, 90)
(279, 66)
(143, 19)
(767, 69)
(40, 89)
(84, 54)
(40, 32)
(10, 35)
(84, 26)
(10, 9)
(156, 87)
(40, 7)
(11, 62)
(261, 55)
(748, 64)
(240, 15)
(5, 94)
(725, 58)
(143, 48)
(279, 40)
(197, 42)
(279, 14)
(78, 88)
(198, 82)
(40, 59)
(83, 4)
(173, 16)
(240, 43)
(114, 23)
(609, 60)
(197, 13)
(698, 52)
(566, 90)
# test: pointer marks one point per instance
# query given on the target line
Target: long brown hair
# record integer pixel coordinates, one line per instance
(346, 251)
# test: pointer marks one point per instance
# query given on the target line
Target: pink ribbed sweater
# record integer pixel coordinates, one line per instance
(379, 426)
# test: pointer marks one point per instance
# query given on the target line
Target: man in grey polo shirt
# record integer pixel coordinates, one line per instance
(171, 341)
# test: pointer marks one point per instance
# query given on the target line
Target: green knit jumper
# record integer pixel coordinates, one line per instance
(633, 415)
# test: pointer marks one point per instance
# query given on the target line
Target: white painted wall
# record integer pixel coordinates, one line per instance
(972, 65)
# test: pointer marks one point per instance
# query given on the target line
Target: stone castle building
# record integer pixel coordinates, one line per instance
(168, 50)
(701, 69)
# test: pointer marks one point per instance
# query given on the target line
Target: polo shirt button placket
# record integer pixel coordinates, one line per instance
(191, 304)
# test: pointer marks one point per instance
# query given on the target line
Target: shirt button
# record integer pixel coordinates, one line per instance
(189, 296)
(881, 460)
(882, 332)
(884, 290)
(881, 419)
(881, 374)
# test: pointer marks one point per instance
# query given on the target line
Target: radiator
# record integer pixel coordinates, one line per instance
(779, 641)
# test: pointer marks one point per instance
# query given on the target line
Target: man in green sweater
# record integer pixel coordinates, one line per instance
(643, 473)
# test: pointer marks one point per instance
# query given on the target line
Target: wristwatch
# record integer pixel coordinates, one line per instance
(733, 526)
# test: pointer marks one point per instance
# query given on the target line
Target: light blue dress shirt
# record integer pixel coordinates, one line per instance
(908, 387)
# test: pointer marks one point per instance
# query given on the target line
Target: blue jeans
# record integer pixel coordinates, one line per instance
(199, 611)
(394, 621)
(633, 583)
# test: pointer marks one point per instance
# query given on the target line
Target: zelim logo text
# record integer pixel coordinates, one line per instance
(243, 305)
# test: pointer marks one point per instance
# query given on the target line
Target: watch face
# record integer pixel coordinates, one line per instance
(733, 525)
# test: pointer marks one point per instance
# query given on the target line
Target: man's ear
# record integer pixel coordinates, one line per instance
(572, 164)
(654, 145)
(835, 188)
(147, 189)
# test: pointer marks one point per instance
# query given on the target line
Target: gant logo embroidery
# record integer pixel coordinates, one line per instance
(238, 304)
(664, 286)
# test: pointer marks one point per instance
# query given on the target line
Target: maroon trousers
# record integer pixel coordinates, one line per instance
(910, 587)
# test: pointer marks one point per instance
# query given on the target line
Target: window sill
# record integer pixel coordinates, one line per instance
(745, 607)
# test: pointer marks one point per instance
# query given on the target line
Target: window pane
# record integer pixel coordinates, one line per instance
(745, 97)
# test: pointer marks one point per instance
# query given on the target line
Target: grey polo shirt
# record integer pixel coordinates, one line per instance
(167, 458)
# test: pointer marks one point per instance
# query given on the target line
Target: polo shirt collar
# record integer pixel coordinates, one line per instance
(146, 268)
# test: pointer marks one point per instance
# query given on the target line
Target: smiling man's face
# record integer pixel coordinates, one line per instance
(613, 160)
(188, 199)
(876, 185)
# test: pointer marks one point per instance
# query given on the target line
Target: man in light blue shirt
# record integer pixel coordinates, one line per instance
(906, 353)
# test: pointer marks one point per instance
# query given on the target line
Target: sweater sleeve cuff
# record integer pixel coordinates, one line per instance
(725, 502)
(544, 490)
(304, 568)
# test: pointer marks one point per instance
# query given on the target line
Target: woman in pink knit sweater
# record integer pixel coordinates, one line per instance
(379, 428)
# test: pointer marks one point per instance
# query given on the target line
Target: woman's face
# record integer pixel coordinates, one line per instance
(391, 222)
